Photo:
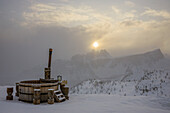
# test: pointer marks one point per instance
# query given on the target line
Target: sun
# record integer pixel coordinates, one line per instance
(95, 44)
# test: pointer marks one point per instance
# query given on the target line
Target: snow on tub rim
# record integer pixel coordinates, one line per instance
(26, 89)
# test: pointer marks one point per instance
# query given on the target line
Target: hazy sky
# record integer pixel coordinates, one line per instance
(123, 27)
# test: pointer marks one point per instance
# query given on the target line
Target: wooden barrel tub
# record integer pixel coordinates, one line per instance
(26, 89)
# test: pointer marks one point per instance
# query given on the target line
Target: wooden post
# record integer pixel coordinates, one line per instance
(65, 91)
(9, 92)
(36, 98)
(50, 96)
(17, 90)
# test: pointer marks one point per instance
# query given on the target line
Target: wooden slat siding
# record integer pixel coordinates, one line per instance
(26, 90)
(41, 86)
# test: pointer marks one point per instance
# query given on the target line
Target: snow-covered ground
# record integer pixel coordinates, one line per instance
(89, 103)
(150, 83)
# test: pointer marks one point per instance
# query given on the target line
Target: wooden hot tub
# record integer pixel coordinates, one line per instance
(26, 89)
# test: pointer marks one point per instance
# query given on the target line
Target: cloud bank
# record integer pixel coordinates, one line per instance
(119, 30)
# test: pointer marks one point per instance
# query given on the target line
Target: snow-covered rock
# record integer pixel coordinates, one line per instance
(152, 83)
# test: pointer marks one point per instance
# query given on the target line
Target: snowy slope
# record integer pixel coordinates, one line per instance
(152, 83)
(103, 103)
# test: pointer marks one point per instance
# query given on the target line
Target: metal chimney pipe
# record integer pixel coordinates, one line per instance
(50, 55)
(48, 70)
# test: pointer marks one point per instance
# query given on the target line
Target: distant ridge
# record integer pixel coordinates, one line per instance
(147, 57)
(155, 53)
(98, 65)
(92, 55)
(101, 65)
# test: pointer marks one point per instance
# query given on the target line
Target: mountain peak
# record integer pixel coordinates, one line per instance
(156, 50)
(102, 54)
(157, 53)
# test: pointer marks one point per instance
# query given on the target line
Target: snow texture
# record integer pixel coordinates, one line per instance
(151, 83)
(89, 103)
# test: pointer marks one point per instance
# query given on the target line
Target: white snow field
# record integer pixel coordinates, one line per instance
(151, 83)
(89, 103)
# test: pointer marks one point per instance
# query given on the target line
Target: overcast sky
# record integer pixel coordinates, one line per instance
(122, 27)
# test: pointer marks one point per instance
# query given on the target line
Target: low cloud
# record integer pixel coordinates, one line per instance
(61, 15)
(116, 10)
(52, 14)
(130, 4)
(156, 13)
(124, 15)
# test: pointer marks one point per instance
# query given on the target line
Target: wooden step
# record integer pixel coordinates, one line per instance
(58, 96)
(62, 99)
(57, 91)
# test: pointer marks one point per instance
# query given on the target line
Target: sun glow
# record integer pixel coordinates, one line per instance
(95, 44)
